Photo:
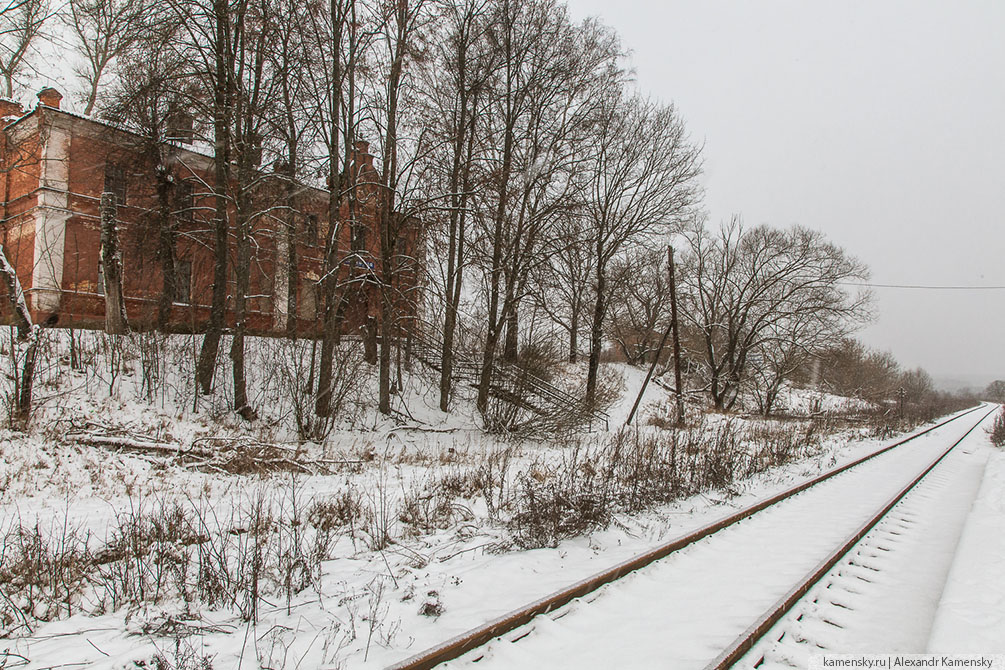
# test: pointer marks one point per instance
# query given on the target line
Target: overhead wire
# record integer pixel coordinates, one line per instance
(927, 287)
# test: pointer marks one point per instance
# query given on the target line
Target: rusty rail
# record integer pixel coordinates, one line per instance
(479, 636)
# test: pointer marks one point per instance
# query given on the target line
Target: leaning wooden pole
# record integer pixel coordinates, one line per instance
(659, 351)
(652, 368)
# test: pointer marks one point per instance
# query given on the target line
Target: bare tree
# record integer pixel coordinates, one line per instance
(153, 98)
(763, 293)
(111, 265)
(28, 336)
(549, 83)
(851, 369)
(917, 385)
(211, 34)
(21, 23)
(289, 59)
(563, 284)
(103, 31)
(342, 32)
(640, 181)
(639, 304)
(457, 79)
(212, 30)
(995, 391)
(403, 19)
(255, 83)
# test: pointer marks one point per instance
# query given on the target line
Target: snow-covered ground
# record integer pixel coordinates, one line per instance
(899, 591)
(682, 611)
(971, 613)
(448, 562)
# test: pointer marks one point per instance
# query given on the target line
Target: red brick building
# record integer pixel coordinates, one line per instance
(54, 166)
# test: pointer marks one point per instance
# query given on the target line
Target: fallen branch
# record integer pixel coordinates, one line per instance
(227, 455)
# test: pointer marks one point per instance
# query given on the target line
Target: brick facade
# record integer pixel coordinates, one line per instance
(54, 166)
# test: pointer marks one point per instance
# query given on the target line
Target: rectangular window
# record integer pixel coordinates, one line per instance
(311, 230)
(183, 282)
(358, 237)
(185, 197)
(115, 182)
(101, 280)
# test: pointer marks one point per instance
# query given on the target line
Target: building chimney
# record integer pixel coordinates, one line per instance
(180, 127)
(10, 109)
(363, 155)
(50, 97)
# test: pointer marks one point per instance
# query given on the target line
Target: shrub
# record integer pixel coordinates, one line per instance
(634, 470)
(998, 429)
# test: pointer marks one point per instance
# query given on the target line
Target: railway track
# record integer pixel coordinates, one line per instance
(666, 591)
(750, 637)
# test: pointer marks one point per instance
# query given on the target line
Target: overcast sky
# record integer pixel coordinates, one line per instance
(880, 123)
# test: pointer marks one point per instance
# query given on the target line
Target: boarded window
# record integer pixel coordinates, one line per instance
(307, 306)
(115, 182)
(264, 281)
(183, 282)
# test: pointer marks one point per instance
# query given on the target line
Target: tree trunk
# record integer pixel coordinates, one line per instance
(242, 276)
(384, 360)
(596, 338)
(25, 331)
(511, 346)
(331, 267)
(675, 327)
(24, 398)
(459, 181)
(111, 263)
(15, 294)
(329, 331)
(223, 86)
(370, 340)
(291, 236)
(447, 355)
(165, 251)
(292, 275)
(574, 337)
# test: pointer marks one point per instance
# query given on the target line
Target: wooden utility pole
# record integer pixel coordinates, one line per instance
(676, 350)
(676, 337)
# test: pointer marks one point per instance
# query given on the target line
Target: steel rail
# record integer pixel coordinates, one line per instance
(476, 637)
(746, 641)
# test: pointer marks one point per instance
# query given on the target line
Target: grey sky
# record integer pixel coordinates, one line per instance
(881, 123)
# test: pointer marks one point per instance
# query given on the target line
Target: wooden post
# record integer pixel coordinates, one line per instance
(676, 351)
(652, 368)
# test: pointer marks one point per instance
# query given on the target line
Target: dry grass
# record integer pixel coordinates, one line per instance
(633, 471)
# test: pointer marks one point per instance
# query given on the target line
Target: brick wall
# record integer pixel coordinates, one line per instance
(97, 152)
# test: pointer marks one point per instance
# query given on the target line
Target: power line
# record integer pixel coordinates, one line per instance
(925, 287)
